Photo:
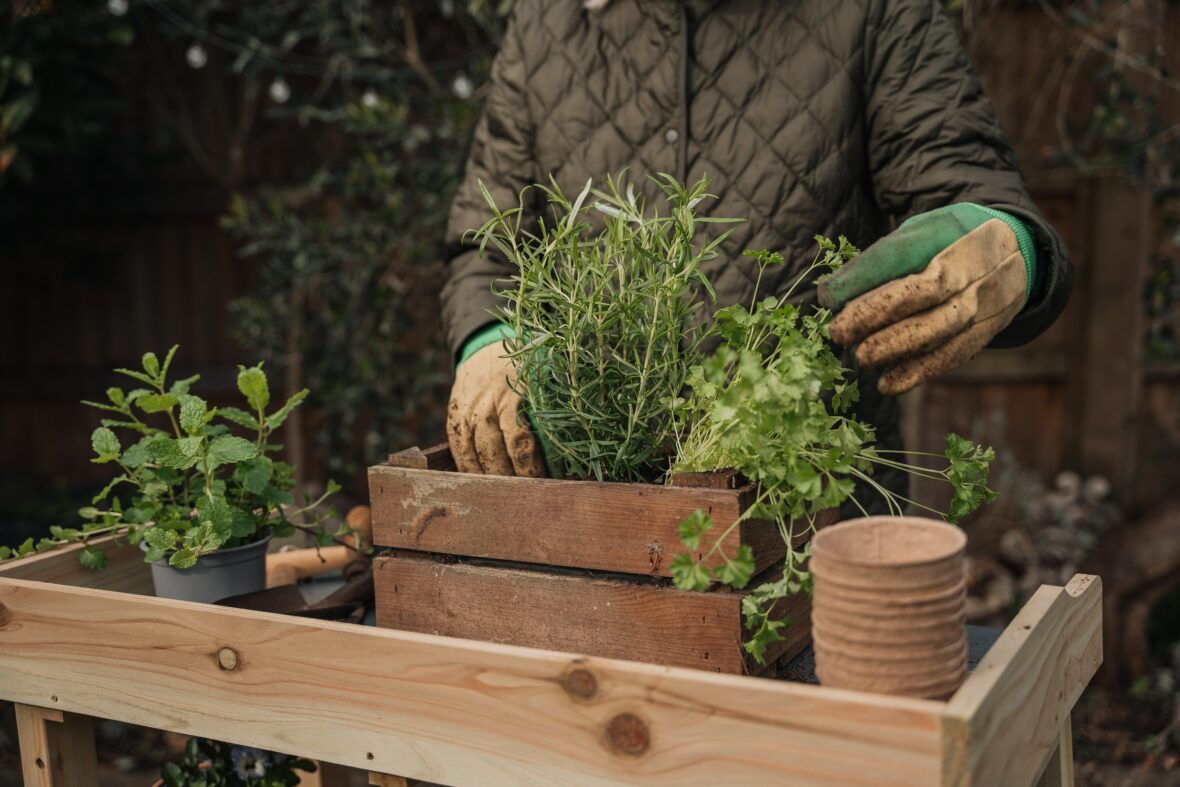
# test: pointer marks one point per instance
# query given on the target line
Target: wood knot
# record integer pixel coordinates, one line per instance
(581, 683)
(227, 659)
(628, 734)
(5, 617)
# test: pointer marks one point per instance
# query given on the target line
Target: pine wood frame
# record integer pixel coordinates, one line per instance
(464, 712)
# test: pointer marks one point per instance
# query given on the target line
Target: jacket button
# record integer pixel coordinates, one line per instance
(671, 135)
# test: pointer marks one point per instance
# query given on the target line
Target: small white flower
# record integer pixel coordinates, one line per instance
(369, 98)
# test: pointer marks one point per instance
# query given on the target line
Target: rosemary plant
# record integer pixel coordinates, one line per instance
(606, 323)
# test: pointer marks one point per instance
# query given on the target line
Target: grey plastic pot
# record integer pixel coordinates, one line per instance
(218, 575)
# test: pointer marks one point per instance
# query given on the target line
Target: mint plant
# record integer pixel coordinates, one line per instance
(772, 401)
(190, 478)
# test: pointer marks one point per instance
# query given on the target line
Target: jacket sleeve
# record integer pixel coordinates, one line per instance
(933, 140)
(501, 157)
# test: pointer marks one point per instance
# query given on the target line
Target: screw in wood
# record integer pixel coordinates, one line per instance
(581, 683)
(227, 659)
(628, 734)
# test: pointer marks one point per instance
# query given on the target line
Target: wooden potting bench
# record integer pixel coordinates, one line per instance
(77, 645)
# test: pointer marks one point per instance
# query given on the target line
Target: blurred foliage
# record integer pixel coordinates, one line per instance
(337, 131)
(56, 93)
(1124, 127)
(350, 254)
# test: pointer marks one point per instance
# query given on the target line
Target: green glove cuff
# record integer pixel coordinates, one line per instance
(1024, 239)
(489, 334)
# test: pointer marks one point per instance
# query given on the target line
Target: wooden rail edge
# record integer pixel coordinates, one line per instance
(446, 710)
(1003, 724)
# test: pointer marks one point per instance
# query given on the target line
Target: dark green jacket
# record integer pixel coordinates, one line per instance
(808, 116)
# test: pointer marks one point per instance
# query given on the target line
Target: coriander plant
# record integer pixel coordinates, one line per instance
(772, 402)
(195, 479)
(606, 324)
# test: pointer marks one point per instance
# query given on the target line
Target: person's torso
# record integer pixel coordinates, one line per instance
(764, 97)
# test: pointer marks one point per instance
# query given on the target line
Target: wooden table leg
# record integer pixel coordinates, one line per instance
(1059, 771)
(56, 748)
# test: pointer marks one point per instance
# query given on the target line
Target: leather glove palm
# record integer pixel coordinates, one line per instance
(485, 423)
(931, 295)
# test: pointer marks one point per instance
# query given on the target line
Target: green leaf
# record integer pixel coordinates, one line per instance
(106, 445)
(5, 553)
(693, 526)
(156, 403)
(183, 558)
(168, 361)
(255, 474)
(237, 416)
(252, 383)
(167, 452)
(688, 574)
(194, 414)
(181, 387)
(738, 570)
(92, 557)
(276, 419)
(26, 547)
(228, 449)
(151, 365)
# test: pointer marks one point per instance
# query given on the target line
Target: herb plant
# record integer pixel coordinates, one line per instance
(772, 402)
(606, 324)
(196, 478)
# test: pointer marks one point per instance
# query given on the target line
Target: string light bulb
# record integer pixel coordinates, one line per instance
(462, 86)
(117, 7)
(369, 98)
(196, 56)
(280, 91)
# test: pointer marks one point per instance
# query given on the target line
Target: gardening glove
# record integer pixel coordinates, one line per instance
(932, 294)
(486, 425)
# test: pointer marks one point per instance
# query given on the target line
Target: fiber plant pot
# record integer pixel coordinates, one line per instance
(218, 575)
(889, 606)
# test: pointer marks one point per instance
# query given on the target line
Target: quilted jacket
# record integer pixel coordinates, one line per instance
(808, 116)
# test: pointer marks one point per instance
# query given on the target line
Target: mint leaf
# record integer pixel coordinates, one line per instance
(254, 474)
(252, 384)
(151, 365)
(106, 445)
(156, 403)
(276, 419)
(193, 414)
(237, 416)
(228, 449)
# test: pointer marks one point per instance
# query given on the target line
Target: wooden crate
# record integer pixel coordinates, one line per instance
(455, 711)
(574, 565)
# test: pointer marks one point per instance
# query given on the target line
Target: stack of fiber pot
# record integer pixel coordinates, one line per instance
(889, 606)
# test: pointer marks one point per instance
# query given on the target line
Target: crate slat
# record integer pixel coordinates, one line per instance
(627, 528)
(611, 617)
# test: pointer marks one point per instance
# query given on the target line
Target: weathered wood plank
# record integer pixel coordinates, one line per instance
(56, 748)
(628, 528)
(611, 617)
(125, 569)
(445, 710)
(1002, 725)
